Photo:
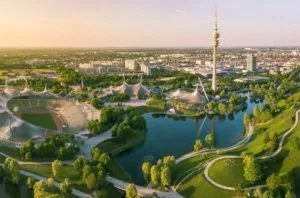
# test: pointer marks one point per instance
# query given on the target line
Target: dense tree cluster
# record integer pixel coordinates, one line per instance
(133, 123)
(271, 142)
(159, 174)
(93, 173)
(262, 114)
(119, 98)
(48, 189)
(279, 87)
(11, 169)
(157, 100)
(252, 169)
(56, 146)
(97, 103)
(235, 102)
(109, 116)
(276, 186)
(123, 122)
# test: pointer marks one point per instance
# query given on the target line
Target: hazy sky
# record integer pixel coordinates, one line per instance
(152, 23)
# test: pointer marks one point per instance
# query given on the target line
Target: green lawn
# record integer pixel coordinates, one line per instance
(229, 172)
(44, 120)
(197, 187)
(179, 170)
(280, 124)
(292, 161)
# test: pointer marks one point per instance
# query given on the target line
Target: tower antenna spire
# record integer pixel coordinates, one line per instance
(215, 37)
(216, 17)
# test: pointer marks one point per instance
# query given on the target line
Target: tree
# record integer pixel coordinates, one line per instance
(146, 169)
(131, 191)
(79, 163)
(27, 148)
(30, 181)
(247, 119)
(86, 171)
(50, 185)
(101, 177)
(12, 167)
(124, 129)
(28, 156)
(165, 176)
(222, 93)
(97, 103)
(289, 194)
(267, 138)
(91, 181)
(210, 139)
(274, 141)
(65, 187)
(268, 194)
(138, 122)
(295, 143)
(96, 154)
(256, 112)
(222, 108)
(56, 167)
(252, 169)
(169, 161)
(104, 159)
(39, 188)
(198, 145)
(155, 175)
(211, 105)
(273, 182)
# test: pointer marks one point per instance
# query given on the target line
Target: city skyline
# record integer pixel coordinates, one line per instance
(147, 24)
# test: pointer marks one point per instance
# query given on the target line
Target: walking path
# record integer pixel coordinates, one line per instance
(208, 151)
(143, 191)
(262, 157)
(90, 143)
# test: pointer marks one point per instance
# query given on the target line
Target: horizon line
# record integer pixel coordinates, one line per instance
(147, 47)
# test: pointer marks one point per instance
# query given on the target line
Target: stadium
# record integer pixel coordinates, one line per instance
(27, 114)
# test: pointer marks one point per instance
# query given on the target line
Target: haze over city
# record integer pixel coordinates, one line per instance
(176, 23)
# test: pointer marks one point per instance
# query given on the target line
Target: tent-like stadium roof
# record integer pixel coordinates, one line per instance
(194, 98)
(10, 91)
(191, 98)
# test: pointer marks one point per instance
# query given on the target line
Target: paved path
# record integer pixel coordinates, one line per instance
(143, 191)
(89, 144)
(239, 157)
(208, 151)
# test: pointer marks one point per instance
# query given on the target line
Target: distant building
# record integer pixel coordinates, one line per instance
(296, 52)
(252, 79)
(251, 62)
(85, 66)
(131, 64)
(146, 68)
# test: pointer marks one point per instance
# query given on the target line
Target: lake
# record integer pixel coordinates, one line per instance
(175, 135)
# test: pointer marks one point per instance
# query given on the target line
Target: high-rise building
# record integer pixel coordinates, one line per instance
(131, 64)
(215, 36)
(145, 68)
(251, 62)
